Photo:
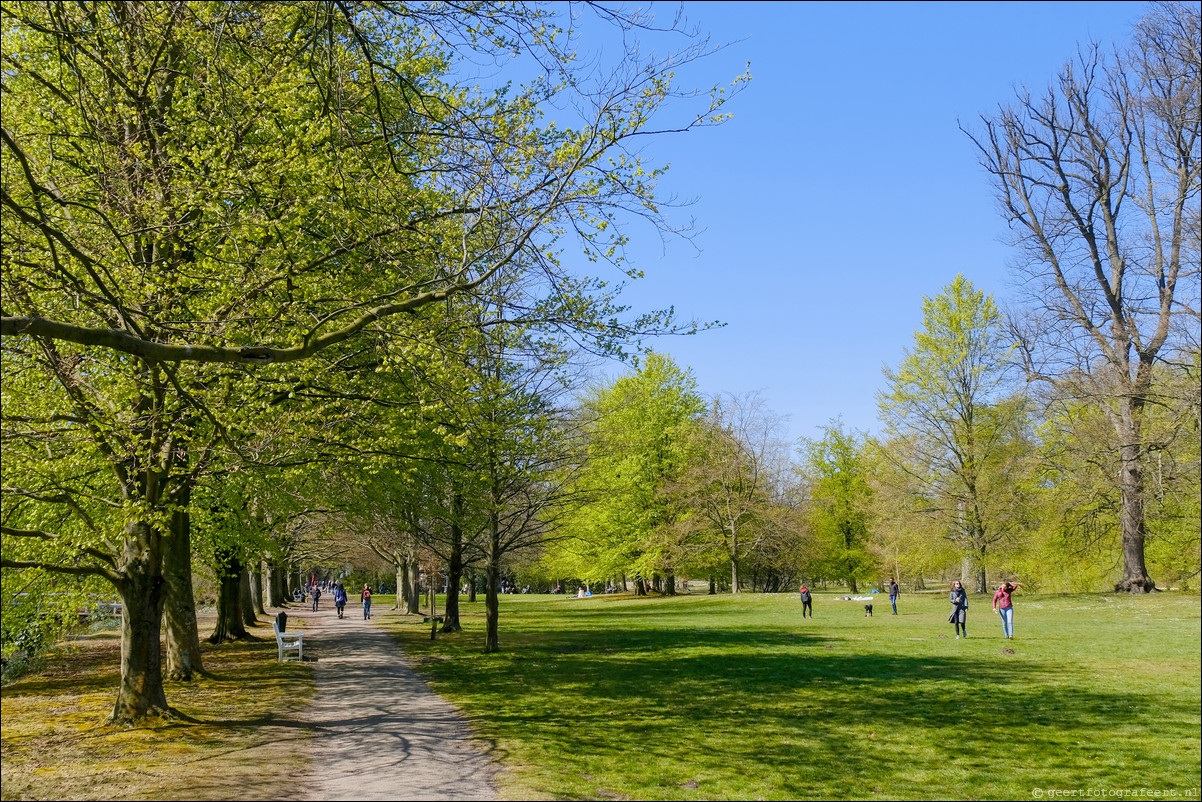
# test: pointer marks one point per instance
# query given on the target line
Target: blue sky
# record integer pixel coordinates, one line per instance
(842, 192)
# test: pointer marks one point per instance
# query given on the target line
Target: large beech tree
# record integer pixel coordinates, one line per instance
(636, 436)
(1099, 179)
(951, 431)
(193, 187)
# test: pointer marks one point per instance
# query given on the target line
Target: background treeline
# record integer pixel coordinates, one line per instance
(975, 476)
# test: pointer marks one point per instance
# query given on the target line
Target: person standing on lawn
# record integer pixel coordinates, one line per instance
(1003, 606)
(807, 605)
(893, 591)
(959, 599)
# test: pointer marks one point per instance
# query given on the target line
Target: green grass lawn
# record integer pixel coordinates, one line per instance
(736, 697)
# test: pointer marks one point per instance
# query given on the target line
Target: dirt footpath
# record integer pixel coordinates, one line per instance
(381, 733)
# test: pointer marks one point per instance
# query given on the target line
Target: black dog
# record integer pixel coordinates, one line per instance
(868, 611)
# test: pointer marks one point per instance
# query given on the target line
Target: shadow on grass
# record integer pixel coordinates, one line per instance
(717, 702)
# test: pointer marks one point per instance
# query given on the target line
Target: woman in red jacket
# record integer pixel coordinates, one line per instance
(1005, 608)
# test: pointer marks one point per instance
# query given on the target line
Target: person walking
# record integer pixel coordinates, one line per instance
(1003, 606)
(807, 605)
(316, 597)
(366, 596)
(340, 598)
(893, 591)
(959, 599)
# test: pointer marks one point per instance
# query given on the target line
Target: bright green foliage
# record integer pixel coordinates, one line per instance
(960, 446)
(191, 189)
(1078, 545)
(908, 544)
(636, 434)
(838, 496)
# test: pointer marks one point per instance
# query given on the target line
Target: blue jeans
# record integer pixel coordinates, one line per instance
(893, 601)
(1007, 614)
(366, 609)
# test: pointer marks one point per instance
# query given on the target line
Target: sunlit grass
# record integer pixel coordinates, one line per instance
(737, 697)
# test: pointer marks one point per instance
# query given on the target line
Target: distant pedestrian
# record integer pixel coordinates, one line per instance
(807, 603)
(1003, 606)
(959, 599)
(893, 591)
(316, 597)
(340, 598)
(366, 597)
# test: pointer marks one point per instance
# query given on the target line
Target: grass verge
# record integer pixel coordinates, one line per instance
(736, 697)
(246, 741)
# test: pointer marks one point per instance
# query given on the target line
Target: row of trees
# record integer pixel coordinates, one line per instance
(261, 260)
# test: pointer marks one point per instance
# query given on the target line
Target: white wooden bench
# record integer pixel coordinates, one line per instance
(289, 641)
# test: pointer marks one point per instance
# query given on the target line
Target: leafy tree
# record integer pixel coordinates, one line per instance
(951, 431)
(839, 496)
(636, 434)
(1099, 179)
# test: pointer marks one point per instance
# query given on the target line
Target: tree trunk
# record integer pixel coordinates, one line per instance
(402, 580)
(246, 599)
(1131, 485)
(851, 584)
(183, 636)
(256, 588)
(450, 621)
(471, 585)
(713, 585)
(275, 585)
(670, 584)
(143, 590)
(492, 581)
(414, 601)
(229, 602)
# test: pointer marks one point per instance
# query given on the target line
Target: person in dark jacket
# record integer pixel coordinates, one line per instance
(340, 599)
(893, 591)
(959, 599)
(807, 605)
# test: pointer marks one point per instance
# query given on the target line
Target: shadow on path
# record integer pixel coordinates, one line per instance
(381, 733)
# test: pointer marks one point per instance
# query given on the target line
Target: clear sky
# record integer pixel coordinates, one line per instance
(842, 192)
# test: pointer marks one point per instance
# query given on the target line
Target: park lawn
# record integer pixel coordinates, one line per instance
(736, 697)
(243, 741)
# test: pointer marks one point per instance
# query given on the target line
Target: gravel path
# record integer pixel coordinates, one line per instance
(381, 732)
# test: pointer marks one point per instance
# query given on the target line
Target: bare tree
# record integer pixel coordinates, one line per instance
(732, 483)
(1098, 178)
